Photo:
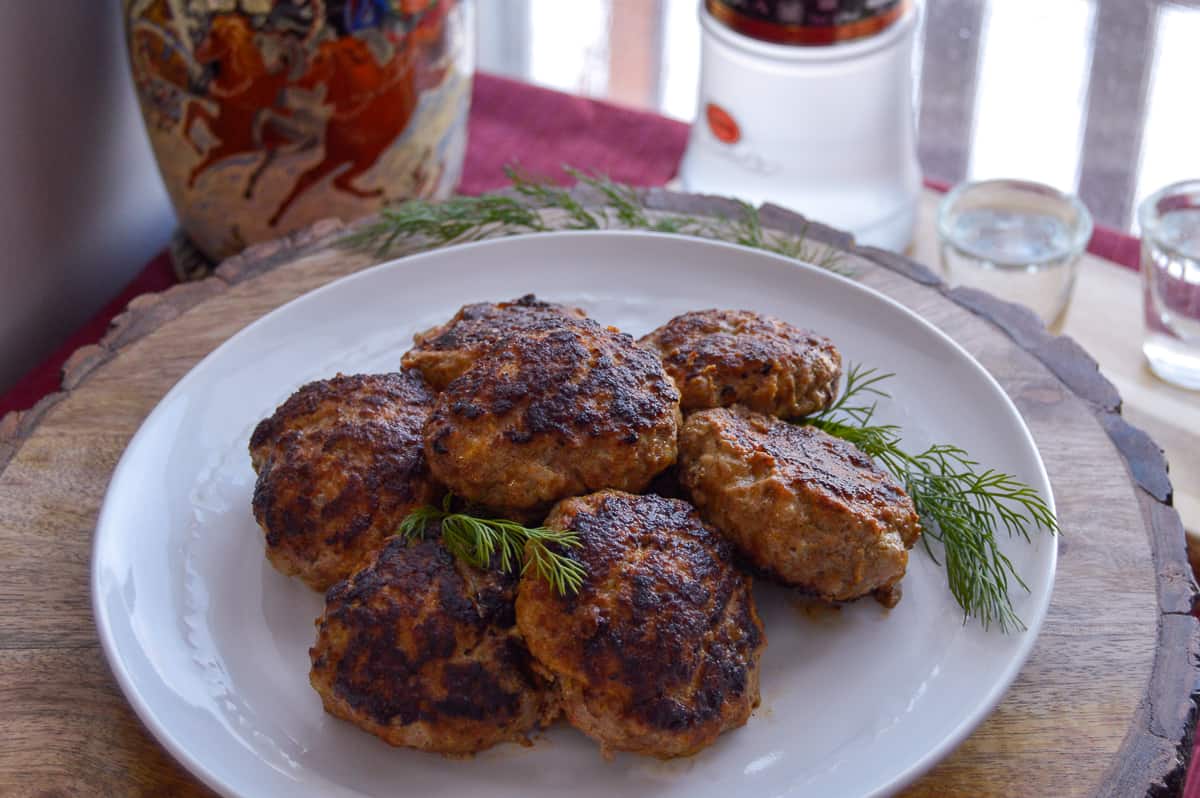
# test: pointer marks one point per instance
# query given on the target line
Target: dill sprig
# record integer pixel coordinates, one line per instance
(481, 541)
(519, 210)
(962, 504)
(458, 219)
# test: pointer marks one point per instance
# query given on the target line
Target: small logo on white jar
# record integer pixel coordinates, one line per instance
(725, 130)
(722, 124)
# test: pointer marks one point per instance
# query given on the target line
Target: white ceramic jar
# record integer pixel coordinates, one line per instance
(826, 130)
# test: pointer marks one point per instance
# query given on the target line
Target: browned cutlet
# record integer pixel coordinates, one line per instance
(553, 412)
(811, 510)
(422, 650)
(658, 652)
(445, 352)
(723, 357)
(340, 464)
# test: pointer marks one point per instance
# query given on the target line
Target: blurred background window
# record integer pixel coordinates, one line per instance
(1095, 97)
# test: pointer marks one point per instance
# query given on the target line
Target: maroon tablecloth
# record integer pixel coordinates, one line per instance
(510, 122)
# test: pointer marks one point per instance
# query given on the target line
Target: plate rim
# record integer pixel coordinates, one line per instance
(150, 718)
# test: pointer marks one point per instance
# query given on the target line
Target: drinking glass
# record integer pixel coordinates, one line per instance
(1170, 226)
(1018, 240)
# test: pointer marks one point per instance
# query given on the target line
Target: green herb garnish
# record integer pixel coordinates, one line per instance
(520, 210)
(478, 540)
(961, 504)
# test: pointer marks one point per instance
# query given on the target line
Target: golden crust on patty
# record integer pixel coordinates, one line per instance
(422, 650)
(556, 411)
(811, 510)
(658, 652)
(445, 352)
(340, 464)
(723, 357)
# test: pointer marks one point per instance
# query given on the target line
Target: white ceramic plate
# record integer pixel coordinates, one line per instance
(211, 645)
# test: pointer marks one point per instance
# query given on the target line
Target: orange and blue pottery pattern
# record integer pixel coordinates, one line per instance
(267, 115)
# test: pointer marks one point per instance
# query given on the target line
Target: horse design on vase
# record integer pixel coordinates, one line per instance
(371, 104)
(351, 101)
(244, 90)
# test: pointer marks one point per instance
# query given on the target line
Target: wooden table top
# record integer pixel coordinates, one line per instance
(1101, 708)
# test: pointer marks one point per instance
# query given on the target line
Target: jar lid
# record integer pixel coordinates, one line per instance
(808, 22)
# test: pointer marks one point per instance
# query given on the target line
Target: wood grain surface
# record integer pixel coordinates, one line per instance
(1103, 707)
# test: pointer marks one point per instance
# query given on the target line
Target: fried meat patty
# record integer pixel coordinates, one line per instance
(339, 465)
(658, 652)
(722, 357)
(422, 650)
(445, 352)
(556, 411)
(809, 509)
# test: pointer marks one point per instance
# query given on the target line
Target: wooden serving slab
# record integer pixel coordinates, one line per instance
(1104, 706)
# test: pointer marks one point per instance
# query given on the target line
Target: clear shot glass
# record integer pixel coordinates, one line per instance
(1170, 226)
(1017, 240)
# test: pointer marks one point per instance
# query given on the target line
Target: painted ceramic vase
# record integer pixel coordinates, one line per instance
(267, 115)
